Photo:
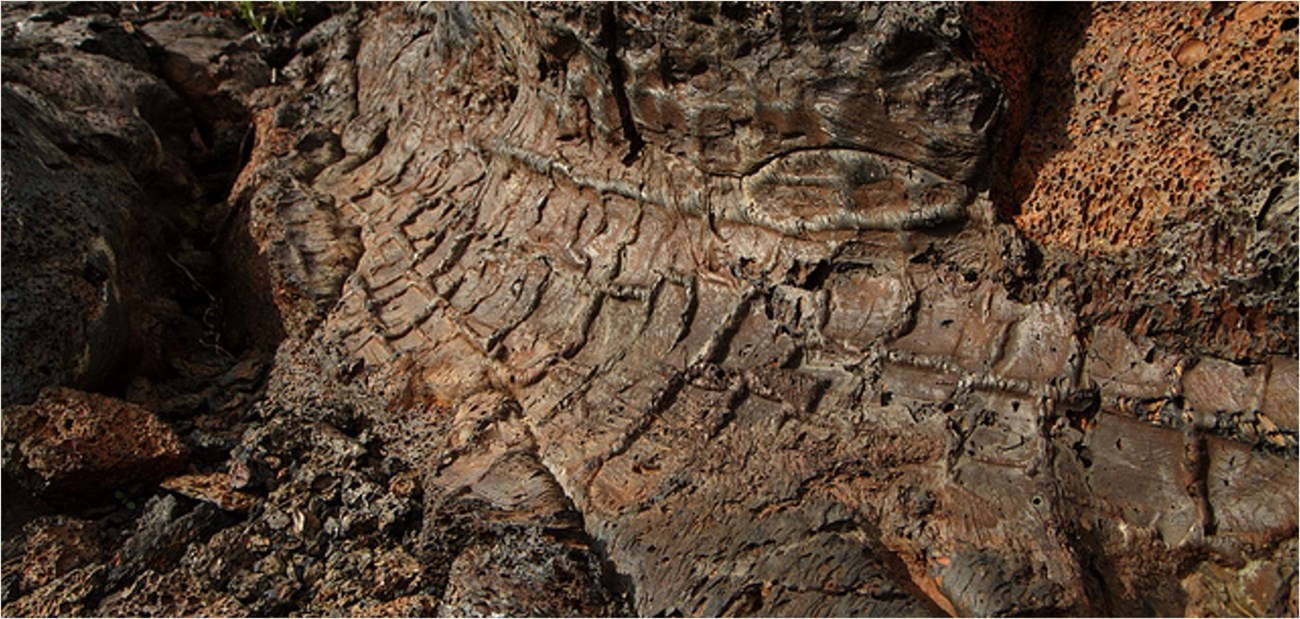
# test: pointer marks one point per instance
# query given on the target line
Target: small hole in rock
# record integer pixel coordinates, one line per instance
(703, 20)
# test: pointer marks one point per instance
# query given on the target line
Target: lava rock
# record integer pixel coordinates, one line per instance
(523, 572)
(214, 488)
(71, 446)
(56, 545)
(696, 310)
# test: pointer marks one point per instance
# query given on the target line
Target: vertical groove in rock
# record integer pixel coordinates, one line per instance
(609, 36)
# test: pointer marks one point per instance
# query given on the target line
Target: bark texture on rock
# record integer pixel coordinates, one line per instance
(727, 309)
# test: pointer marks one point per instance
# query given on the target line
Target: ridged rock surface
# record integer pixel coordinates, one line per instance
(729, 309)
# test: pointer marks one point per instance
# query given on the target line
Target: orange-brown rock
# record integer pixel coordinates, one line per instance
(418, 605)
(55, 546)
(66, 596)
(1169, 109)
(766, 339)
(1159, 167)
(214, 488)
(722, 309)
(177, 593)
(72, 446)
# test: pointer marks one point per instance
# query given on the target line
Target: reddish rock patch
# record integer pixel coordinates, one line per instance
(73, 444)
(1172, 108)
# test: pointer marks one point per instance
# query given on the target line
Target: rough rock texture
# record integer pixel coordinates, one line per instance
(719, 309)
(1162, 151)
(78, 444)
(108, 178)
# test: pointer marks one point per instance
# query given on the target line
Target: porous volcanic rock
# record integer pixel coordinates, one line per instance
(112, 181)
(717, 309)
(71, 446)
(1158, 171)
